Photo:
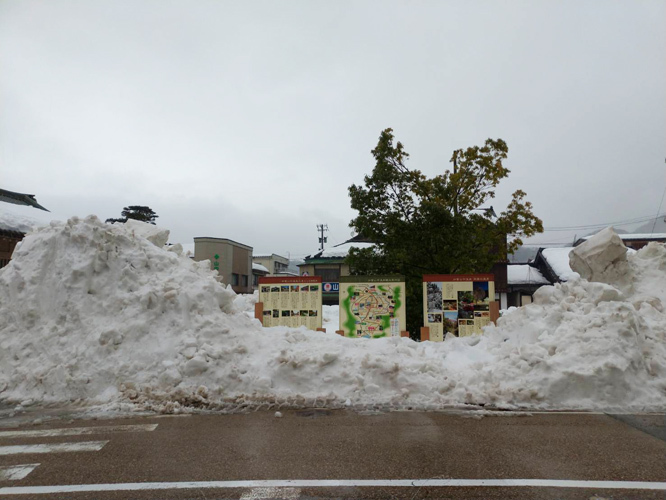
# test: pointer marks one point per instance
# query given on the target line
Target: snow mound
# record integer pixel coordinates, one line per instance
(97, 313)
(603, 257)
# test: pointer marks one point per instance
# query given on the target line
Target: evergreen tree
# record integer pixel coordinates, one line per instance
(137, 212)
(439, 225)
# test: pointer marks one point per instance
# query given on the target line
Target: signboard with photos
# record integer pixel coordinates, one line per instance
(457, 303)
(372, 306)
(291, 301)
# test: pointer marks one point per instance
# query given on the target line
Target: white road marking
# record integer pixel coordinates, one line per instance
(16, 472)
(271, 493)
(77, 431)
(335, 483)
(52, 448)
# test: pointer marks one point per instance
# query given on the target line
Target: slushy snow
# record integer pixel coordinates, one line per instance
(104, 314)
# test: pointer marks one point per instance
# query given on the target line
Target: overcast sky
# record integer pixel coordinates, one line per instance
(249, 120)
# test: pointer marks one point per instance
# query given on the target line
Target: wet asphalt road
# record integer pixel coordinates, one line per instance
(319, 444)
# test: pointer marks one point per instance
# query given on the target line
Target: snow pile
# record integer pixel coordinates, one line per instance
(601, 258)
(96, 312)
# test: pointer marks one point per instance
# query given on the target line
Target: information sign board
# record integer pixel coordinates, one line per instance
(457, 303)
(291, 301)
(372, 306)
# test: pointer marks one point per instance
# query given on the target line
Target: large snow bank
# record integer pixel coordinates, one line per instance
(96, 312)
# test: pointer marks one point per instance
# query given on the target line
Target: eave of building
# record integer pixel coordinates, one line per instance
(323, 260)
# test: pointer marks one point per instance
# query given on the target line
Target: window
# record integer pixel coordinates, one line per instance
(328, 275)
(234, 279)
(255, 280)
(244, 279)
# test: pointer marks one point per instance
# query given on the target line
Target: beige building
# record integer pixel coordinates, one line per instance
(275, 264)
(232, 260)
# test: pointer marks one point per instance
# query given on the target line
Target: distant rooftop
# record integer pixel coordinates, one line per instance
(339, 251)
(558, 260)
(522, 274)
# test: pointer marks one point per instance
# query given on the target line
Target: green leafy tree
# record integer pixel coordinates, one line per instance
(435, 225)
(137, 212)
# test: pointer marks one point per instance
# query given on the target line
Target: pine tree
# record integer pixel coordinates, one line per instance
(136, 212)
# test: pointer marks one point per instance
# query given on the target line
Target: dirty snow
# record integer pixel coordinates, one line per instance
(97, 314)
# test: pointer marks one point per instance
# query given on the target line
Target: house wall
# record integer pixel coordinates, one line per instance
(7, 244)
(274, 263)
(234, 261)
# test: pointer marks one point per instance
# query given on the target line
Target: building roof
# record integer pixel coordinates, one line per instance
(524, 254)
(274, 256)
(222, 240)
(338, 251)
(522, 274)
(632, 237)
(558, 260)
(259, 267)
(12, 221)
(20, 199)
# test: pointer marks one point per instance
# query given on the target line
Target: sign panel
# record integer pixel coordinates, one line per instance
(291, 301)
(330, 287)
(372, 306)
(457, 303)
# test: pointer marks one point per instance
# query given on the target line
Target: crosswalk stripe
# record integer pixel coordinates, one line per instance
(16, 472)
(52, 448)
(271, 493)
(77, 431)
(338, 483)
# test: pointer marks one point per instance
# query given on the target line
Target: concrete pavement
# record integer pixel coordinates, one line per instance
(347, 446)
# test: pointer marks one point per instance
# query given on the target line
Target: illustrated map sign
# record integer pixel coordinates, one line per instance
(291, 301)
(372, 306)
(457, 303)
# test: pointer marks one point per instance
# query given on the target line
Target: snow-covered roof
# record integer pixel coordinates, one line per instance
(23, 218)
(524, 254)
(259, 267)
(637, 236)
(525, 275)
(342, 250)
(558, 260)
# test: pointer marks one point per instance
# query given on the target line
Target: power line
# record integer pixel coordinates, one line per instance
(604, 224)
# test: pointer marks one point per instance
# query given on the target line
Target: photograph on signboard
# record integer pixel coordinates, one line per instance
(434, 318)
(450, 305)
(481, 296)
(465, 305)
(451, 322)
(434, 294)
(372, 306)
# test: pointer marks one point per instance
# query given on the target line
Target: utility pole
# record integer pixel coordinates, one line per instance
(322, 239)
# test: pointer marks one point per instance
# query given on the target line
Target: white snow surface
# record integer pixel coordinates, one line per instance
(558, 260)
(343, 249)
(96, 313)
(259, 267)
(20, 218)
(521, 274)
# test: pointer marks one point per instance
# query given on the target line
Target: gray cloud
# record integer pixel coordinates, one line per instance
(249, 120)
